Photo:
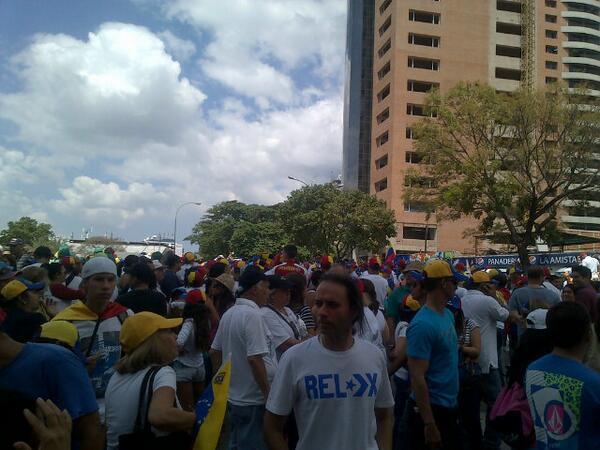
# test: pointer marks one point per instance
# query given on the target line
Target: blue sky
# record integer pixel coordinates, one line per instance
(112, 113)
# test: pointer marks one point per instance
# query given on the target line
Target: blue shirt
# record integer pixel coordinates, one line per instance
(564, 398)
(431, 336)
(51, 372)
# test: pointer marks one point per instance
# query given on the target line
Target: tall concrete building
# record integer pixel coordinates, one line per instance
(422, 44)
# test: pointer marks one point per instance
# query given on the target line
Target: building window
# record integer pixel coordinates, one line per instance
(420, 182)
(420, 86)
(508, 28)
(508, 74)
(418, 233)
(385, 5)
(385, 48)
(552, 65)
(383, 116)
(550, 80)
(419, 110)
(383, 93)
(508, 50)
(383, 28)
(423, 16)
(413, 158)
(416, 206)
(550, 18)
(423, 63)
(381, 185)
(409, 134)
(382, 139)
(421, 39)
(551, 3)
(551, 34)
(381, 162)
(553, 49)
(504, 5)
(384, 70)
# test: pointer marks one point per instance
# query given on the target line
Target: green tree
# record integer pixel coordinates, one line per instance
(32, 232)
(214, 232)
(509, 160)
(325, 219)
(250, 239)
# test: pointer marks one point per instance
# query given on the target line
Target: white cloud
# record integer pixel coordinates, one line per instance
(108, 203)
(106, 95)
(181, 49)
(257, 44)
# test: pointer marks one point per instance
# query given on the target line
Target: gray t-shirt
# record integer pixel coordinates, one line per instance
(521, 298)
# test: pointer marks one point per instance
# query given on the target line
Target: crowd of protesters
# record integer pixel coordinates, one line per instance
(324, 354)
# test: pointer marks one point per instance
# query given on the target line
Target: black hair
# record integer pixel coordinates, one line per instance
(143, 273)
(315, 277)
(130, 260)
(369, 288)
(42, 252)
(54, 270)
(171, 260)
(201, 316)
(224, 300)
(535, 272)
(353, 294)
(298, 288)
(501, 279)
(583, 271)
(217, 269)
(568, 324)
(291, 251)
(570, 286)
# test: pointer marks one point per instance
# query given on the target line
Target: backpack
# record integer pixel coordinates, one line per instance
(511, 417)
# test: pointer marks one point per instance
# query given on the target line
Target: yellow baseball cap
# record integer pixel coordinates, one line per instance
(60, 330)
(16, 287)
(481, 277)
(439, 268)
(139, 327)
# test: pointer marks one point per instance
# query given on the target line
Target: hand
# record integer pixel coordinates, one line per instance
(433, 439)
(91, 361)
(51, 426)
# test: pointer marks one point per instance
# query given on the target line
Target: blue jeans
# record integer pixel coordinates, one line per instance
(490, 388)
(402, 393)
(246, 427)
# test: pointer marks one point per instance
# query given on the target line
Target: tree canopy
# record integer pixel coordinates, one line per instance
(32, 232)
(319, 219)
(509, 160)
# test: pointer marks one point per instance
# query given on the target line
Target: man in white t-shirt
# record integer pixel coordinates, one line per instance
(591, 263)
(336, 384)
(243, 335)
(380, 283)
(280, 320)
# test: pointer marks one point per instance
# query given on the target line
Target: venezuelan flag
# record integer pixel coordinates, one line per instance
(210, 409)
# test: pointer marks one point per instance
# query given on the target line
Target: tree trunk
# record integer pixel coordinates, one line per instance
(523, 256)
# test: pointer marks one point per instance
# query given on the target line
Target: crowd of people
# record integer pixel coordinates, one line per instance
(98, 352)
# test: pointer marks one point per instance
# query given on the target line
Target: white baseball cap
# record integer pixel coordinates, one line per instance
(98, 264)
(156, 264)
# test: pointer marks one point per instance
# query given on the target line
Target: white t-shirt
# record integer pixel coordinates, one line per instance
(278, 326)
(380, 320)
(370, 330)
(333, 394)
(400, 332)
(242, 333)
(591, 263)
(192, 356)
(75, 282)
(380, 283)
(122, 398)
(485, 311)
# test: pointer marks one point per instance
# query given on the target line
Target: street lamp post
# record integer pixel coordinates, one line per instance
(299, 181)
(175, 225)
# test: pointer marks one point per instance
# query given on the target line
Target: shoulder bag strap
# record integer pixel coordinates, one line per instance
(94, 334)
(153, 371)
(290, 324)
(138, 418)
(70, 278)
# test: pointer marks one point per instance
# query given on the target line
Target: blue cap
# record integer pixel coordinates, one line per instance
(416, 275)
(454, 304)
(31, 286)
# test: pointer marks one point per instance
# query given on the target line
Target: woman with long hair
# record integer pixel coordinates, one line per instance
(149, 344)
(192, 342)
